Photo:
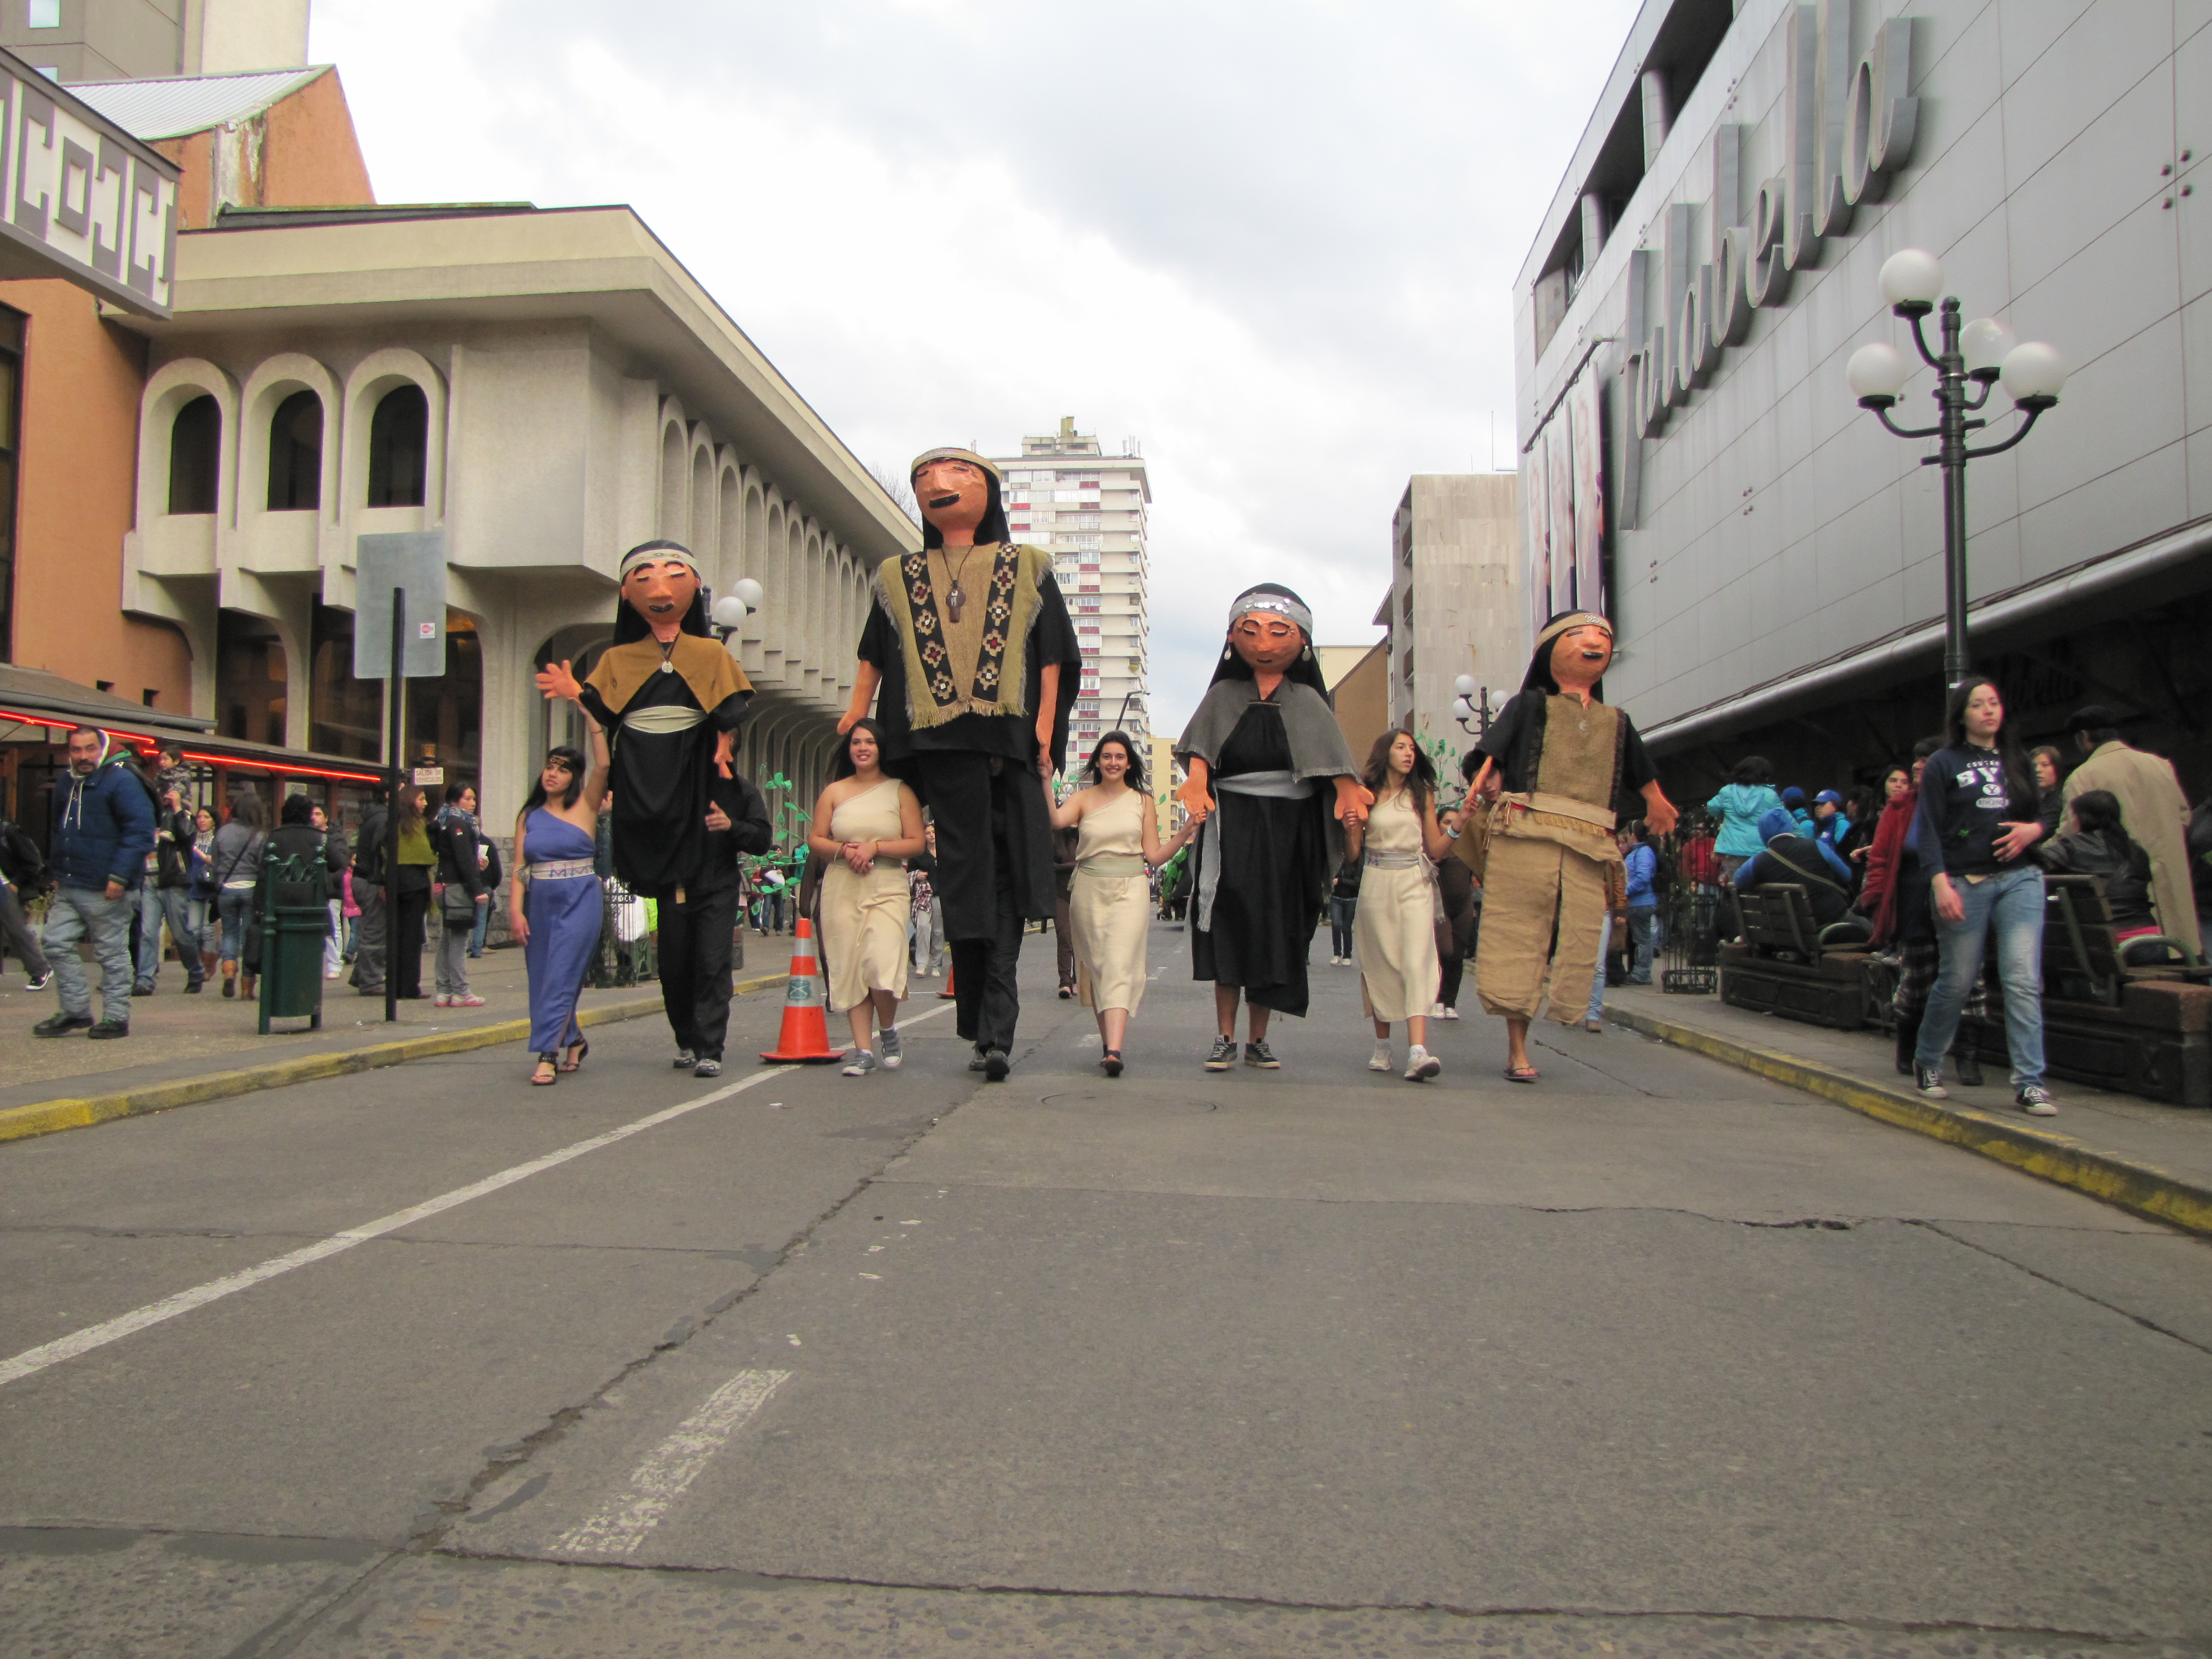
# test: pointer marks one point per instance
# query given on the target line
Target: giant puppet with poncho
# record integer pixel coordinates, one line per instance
(1268, 764)
(1561, 769)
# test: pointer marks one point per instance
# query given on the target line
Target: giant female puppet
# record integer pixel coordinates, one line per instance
(1259, 751)
(966, 641)
(1561, 768)
(671, 701)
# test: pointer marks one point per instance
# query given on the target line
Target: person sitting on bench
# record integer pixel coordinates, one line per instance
(2096, 844)
(1792, 857)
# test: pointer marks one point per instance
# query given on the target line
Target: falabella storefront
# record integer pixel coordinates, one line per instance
(1694, 459)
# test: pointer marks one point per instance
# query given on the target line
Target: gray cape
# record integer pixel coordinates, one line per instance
(1317, 746)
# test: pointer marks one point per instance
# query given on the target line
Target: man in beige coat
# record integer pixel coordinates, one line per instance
(2152, 809)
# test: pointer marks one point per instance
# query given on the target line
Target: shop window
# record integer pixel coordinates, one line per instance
(444, 718)
(400, 448)
(345, 716)
(194, 456)
(250, 679)
(295, 454)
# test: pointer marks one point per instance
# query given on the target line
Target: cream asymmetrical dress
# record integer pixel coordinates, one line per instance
(864, 918)
(1109, 906)
(1395, 929)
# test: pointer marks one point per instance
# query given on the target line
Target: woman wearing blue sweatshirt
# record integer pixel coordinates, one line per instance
(1979, 813)
(1748, 797)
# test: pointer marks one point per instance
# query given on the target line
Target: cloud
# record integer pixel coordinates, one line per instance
(1273, 243)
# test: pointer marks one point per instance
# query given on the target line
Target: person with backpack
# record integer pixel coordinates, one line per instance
(22, 870)
(103, 829)
(1792, 858)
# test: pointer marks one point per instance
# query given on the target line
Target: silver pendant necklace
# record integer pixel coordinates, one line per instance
(666, 666)
(955, 599)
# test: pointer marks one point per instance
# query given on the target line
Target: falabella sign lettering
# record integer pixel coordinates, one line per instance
(1847, 126)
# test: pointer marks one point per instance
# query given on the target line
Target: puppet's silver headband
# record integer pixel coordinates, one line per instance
(1274, 605)
(653, 553)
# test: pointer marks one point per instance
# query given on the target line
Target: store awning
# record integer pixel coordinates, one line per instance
(32, 698)
(238, 755)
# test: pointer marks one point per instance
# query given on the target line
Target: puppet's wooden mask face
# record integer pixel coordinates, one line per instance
(1269, 644)
(662, 591)
(1580, 657)
(953, 496)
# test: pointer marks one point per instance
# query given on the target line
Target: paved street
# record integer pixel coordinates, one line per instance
(1655, 1358)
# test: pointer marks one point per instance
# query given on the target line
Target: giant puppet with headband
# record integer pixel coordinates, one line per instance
(671, 700)
(1562, 770)
(966, 641)
(1268, 763)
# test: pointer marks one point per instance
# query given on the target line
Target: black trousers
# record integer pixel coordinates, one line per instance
(994, 874)
(986, 989)
(694, 968)
(406, 964)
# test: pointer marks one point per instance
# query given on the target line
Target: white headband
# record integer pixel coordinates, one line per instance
(1275, 604)
(653, 553)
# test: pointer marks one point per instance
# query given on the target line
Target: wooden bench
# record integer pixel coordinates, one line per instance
(2144, 1028)
(1787, 963)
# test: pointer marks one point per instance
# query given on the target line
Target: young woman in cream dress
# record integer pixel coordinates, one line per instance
(1394, 930)
(864, 825)
(1110, 905)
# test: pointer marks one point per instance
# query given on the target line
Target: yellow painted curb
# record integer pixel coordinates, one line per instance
(46, 1117)
(2143, 1189)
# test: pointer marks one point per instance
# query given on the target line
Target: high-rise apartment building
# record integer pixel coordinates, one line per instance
(1089, 508)
(77, 41)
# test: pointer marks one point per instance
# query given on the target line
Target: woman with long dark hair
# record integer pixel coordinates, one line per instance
(1109, 896)
(1978, 815)
(236, 858)
(866, 825)
(1395, 929)
(2099, 845)
(411, 895)
(554, 905)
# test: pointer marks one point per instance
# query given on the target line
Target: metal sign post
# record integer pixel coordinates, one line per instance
(388, 570)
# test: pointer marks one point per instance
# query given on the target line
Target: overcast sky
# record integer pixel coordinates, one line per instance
(1273, 243)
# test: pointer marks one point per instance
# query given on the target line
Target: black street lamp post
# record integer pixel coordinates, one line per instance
(1983, 352)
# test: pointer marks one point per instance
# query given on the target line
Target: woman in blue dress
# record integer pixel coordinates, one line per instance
(554, 904)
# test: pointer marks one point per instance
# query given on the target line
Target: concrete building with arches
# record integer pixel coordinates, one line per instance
(546, 389)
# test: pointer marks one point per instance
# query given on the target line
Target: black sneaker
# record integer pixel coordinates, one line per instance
(2035, 1100)
(996, 1065)
(41, 982)
(195, 987)
(109, 1027)
(142, 990)
(978, 1063)
(1929, 1079)
(686, 1059)
(1260, 1055)
(61, 1024)
(1224, 1054)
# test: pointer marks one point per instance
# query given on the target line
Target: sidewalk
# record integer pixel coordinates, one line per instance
(183, 1049)
(2154, 1159)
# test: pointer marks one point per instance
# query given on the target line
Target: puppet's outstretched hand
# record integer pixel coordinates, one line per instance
(1658, 811)
(1195, 796)
(1353, 800)
(726, 747)
(555, 681)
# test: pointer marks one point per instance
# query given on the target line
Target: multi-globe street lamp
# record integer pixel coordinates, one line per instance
(1983, 351)
(1473, 717)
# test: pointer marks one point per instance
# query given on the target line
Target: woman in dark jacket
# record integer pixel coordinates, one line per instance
(1979, 814)
(2099, 845)
(410, 893)
(462, 894)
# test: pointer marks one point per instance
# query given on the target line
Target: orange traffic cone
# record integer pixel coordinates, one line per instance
(947, 991)
(805, 1039)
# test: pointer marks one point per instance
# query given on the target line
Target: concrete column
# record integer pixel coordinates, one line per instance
(1658, 113)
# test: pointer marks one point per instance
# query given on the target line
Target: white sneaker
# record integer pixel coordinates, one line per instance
(1449, 1013)
(1436, 1011)
(1421, 1065)
(1380, 1060)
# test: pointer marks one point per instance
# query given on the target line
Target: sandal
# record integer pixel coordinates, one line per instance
(1522, 1074)
(543, 1078)
(1110, 1062)
(575, 1059)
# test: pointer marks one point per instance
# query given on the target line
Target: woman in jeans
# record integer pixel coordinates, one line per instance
(1978, 815)
(1343, 912)
(460, 893)
(236, 858)
(207, 930)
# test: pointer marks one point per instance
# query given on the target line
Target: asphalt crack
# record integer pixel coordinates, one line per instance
(2151, 1325)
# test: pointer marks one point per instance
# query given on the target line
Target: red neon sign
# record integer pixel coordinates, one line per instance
(72, 725)
(282, 765)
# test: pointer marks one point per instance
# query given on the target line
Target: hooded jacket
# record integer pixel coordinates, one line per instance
(103, 825)
(1738, 809)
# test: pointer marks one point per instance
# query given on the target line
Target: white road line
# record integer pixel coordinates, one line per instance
(671, 1466)
(34, 1360)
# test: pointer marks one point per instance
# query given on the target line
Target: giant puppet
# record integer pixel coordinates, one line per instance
(966, 642)
(1259, 751)
(671, 700)
(1561, 768)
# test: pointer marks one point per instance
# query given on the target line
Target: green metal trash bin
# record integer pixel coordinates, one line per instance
(296, 921)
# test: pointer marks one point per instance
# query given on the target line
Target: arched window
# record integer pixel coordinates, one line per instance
(295, 454)
(398, 447)
(194, 456)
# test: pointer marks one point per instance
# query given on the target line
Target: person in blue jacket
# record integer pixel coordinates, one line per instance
(1641, 860)
(1793, 798)
(103, 829)
(1807, 861)
(1748, 797)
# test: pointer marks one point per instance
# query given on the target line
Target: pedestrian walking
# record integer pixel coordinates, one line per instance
(1893, 896)
(410, 893)
(1395, 933)
(1979, 814)
(372, 931)
(1454, 930)
(165, 896)
(237, 860)
(337, 855)
(1063, 882)
(865, 824)
(555, 904)
(1115, 827)
(1640, 868)
(22, 871)
(459, 894)
(207, 926)
(1343, 909)
(494, 872)
(927, 927)
(103, 829)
